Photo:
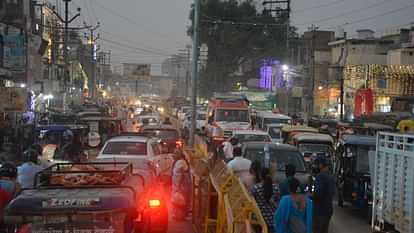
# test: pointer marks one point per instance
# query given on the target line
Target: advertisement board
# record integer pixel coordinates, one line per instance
(13, 99)
(14, 52)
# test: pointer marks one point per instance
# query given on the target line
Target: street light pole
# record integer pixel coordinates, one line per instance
(194, 70)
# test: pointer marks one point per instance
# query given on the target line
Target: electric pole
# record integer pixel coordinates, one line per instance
(194, 70)
(92, 42)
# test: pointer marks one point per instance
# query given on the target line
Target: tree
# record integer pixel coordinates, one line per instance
(237, 35)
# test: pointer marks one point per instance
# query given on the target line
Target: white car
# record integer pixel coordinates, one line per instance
(275, 132)
(251, 136)
(137, 149)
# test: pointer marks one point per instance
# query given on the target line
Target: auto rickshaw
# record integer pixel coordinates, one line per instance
(361, 128)
(352, 170)
(289, 131)
(406, 126)
(312, 145)
(50, 137)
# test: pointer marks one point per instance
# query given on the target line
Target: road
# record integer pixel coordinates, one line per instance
(347, 220)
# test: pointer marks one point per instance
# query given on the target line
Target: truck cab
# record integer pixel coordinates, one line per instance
(224, 115)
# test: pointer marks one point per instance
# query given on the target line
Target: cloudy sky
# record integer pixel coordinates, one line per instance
(147, 31)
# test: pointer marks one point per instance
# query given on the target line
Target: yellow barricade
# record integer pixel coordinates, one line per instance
(221, 203)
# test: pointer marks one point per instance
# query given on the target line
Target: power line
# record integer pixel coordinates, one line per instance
(126, 39)
(129, 20)
(132, 47)
(318, 6)
(345, 13)
(378, 15)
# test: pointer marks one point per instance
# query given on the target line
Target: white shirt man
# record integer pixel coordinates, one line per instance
(240, 166)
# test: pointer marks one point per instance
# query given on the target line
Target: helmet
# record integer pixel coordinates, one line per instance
(67, 135)
(30, 156)
(8, 170)
(38, 148)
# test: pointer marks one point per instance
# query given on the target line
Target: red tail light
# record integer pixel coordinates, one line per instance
(154, 203)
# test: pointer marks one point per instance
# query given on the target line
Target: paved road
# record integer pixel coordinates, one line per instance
(346, 220)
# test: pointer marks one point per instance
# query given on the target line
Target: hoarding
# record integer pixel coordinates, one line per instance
(13, 99)
(14, 52)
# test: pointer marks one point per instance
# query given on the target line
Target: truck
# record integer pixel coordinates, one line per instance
(393, 183)
(90, 197)
(224, 115)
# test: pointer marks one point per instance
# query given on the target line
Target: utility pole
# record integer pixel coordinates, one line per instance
(194, 70)
(313, 29)
(92, 40)
(66, 22)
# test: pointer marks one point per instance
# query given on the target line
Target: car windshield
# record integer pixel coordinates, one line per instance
(163, 134)
(276, 121)
(146, 121)
(314, 148)
(125, 148)
(201, 116)
(252, 138)
(232, 115)
(280, 157)
(275, 132)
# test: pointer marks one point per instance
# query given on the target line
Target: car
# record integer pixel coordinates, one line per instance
(133, 148)
(275, 132)
(152, 119)
(200, 120)
(278, 157)
(251, 136)
(167, 133)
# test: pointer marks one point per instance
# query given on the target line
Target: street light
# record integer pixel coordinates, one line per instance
(22, 85)
(285, 67)
(320, 88)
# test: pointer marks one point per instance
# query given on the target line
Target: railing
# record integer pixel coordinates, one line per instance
(221, 203)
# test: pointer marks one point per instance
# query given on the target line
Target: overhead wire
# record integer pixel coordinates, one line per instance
(323, 5)
(132, 47)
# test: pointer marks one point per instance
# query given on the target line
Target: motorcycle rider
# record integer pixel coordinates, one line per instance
(28, 170)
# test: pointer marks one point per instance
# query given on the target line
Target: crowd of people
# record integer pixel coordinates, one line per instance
(287, 207)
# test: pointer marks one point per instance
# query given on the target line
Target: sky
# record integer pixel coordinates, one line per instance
(148, 31)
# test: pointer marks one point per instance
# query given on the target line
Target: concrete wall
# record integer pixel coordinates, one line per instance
(401, 56)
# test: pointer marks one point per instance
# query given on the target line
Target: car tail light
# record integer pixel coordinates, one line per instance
(154, 203)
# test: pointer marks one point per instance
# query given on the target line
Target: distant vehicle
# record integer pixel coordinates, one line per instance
(251, 136)
(168, 134)
(200, 120)
(276, 156)
(224, 115)
(312, 145)
(148, 120)
(331, 124)
(136, 147)
(264, 118)
(288, 131)
(182, 111)
(91, 197)
(352, 170)
(105, 127)
(275, 132)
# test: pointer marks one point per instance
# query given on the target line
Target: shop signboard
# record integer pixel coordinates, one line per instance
(13, 99)
(14, 52)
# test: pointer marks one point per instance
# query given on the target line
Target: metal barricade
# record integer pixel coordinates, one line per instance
(221, 203)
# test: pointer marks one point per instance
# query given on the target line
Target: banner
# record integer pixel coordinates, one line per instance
(14, 52)
(13, 99)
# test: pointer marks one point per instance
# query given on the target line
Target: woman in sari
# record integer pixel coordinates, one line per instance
(294, 214)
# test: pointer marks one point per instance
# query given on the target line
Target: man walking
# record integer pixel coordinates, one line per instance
(323, 197)
(240, 166)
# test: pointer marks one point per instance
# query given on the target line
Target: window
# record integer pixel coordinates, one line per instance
(201, 117)
(276, 121)
(232, 115)
(156, 148)
(280, 157)
(275, 133)
(125, 148)
(163, 134)
(252, 138)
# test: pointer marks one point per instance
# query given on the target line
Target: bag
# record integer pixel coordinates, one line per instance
(295, 225)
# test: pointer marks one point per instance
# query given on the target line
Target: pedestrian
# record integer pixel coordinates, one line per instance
(27, 171)
(181, 186)
(9, 188)
(70, 150)
(228, 147)
(323, 197)
(240, 166)
(255, 176)
(294, 214)
(267, 197)
(290, 172)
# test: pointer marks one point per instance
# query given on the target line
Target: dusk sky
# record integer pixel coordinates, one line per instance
(147, 31)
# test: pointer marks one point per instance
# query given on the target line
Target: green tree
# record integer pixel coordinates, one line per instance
(237, 34)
